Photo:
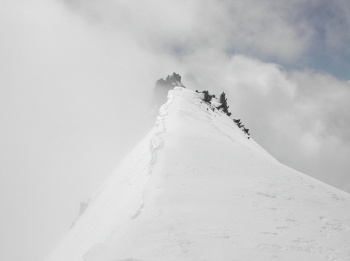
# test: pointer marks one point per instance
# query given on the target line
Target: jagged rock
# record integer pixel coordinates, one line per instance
(170, 81)
(162, 88)
(223, 101)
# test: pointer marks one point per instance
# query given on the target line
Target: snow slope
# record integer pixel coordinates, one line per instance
(196, 188)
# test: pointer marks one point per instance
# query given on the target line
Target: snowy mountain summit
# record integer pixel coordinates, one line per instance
(195, 188)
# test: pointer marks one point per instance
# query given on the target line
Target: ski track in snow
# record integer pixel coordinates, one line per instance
(156, 143)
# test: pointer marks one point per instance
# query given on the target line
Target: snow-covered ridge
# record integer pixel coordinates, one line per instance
(195, 188)
(192, 105)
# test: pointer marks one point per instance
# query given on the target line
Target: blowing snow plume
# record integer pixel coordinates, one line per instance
(195, 188)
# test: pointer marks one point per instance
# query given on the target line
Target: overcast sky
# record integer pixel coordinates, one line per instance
(76, 79)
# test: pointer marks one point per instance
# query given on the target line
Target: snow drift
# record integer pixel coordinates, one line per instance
(196, 188)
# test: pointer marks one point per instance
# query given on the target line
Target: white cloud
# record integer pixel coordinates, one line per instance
(74, 82)
(248, 26)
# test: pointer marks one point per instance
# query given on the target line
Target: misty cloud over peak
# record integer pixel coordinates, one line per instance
(291, 33)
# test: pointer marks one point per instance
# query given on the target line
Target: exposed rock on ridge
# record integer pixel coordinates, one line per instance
(171, 81)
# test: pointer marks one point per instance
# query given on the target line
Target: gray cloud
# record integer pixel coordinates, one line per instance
(194, 24)
(293, 33)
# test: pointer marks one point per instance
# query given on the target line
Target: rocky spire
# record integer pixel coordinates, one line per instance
(171, 81)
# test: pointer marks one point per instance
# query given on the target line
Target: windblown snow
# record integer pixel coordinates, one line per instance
(196, 188)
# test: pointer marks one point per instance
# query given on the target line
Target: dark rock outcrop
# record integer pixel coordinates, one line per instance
(170, 81)
(162, 88)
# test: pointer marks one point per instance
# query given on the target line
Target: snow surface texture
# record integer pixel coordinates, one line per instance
(196, 188)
